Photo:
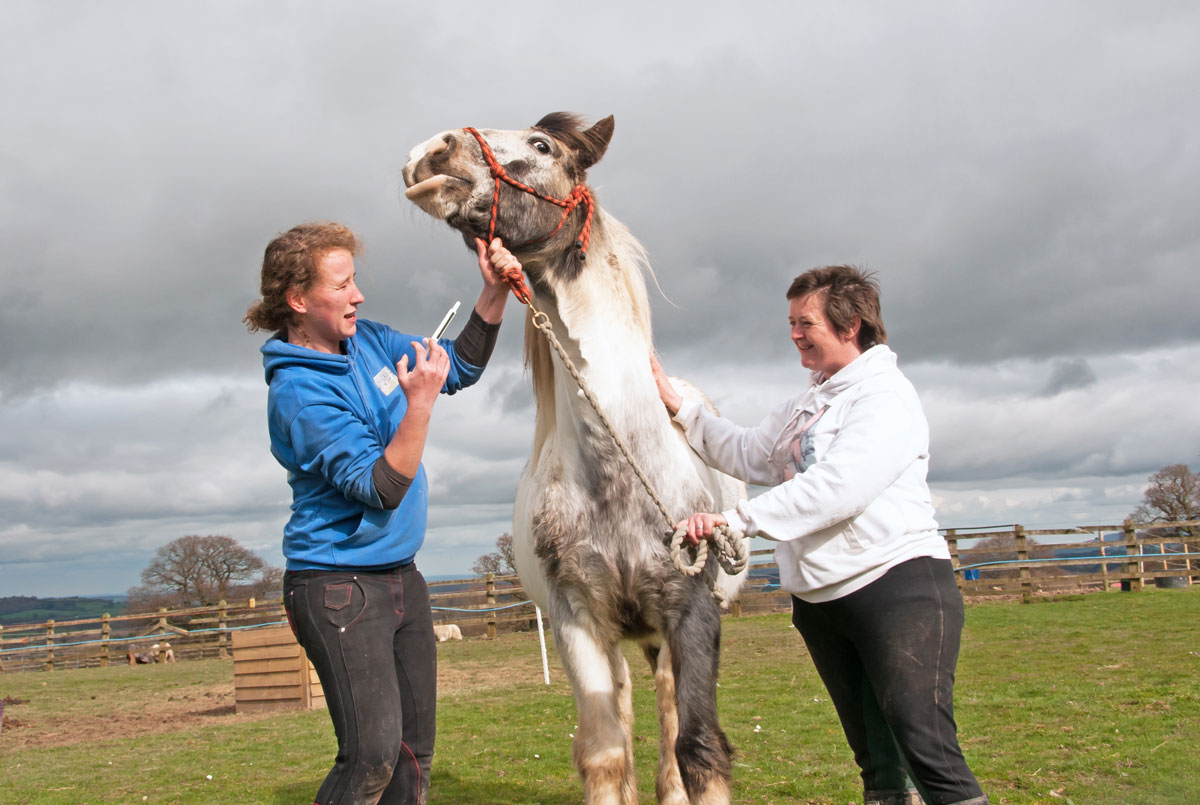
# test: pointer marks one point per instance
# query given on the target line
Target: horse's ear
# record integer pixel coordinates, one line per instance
(596, 141)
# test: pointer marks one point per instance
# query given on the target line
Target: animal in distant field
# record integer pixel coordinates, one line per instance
(588, 539)
(447, 631)
(157, 653)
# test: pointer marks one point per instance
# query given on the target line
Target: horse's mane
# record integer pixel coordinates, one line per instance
(622, 251)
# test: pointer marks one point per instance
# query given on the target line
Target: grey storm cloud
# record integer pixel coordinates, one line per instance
(1069, 373)
(1020, 178)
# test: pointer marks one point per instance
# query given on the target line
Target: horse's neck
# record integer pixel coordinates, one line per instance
(600, 320)
(594, 318)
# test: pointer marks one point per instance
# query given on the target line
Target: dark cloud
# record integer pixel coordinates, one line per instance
(1067, 374)
(1021, 179)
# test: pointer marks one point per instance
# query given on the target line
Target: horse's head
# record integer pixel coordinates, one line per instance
(451, 177)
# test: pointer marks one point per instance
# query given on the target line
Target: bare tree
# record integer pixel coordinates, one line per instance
(200, 571)
(1172, 496)
(500, 561)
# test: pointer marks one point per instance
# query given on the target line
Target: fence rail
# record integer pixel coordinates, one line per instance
(1006, 562)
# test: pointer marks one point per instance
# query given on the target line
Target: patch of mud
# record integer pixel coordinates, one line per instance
(200, 706)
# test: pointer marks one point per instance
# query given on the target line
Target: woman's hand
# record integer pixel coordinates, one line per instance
(421, 385)
(425, 380)
(666, 392)
(700, 526)
(495, 262)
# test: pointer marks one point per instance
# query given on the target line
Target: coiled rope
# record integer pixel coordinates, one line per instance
(730, 546)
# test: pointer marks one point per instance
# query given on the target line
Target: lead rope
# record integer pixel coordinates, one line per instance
(730, 545)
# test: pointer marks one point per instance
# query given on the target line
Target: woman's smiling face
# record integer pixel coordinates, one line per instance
(822, 348)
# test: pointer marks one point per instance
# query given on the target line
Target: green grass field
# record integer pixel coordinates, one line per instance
(1093, 699)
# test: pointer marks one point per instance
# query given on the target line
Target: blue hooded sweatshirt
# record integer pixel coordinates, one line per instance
(330, 417)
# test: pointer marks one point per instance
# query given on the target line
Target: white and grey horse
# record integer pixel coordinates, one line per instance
(588, 540)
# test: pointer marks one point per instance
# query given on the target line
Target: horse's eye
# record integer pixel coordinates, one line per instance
(541, 146)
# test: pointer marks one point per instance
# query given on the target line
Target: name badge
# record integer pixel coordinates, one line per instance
(386, 381)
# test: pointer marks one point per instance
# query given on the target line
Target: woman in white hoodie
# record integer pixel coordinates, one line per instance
(873, 590)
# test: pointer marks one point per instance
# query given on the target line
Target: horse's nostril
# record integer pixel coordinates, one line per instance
(437, 146)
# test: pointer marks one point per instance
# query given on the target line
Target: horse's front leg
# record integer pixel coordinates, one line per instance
(668, 786)
(603, 747)
(693, 633)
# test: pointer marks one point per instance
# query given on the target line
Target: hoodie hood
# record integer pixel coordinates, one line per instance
(279, 354)
(876, 360)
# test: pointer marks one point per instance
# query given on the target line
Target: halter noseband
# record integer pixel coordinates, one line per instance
(580, 194)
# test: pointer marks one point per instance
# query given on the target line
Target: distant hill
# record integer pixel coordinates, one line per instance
(31, 609)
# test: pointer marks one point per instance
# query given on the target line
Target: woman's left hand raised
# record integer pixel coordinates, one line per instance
(494, 262)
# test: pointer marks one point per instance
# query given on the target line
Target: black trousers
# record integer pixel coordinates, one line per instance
(369, 634)
(887, 655)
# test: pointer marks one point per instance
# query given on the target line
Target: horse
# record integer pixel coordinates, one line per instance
(587, 537)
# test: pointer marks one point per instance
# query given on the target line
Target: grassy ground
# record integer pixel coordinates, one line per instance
(1087, 700)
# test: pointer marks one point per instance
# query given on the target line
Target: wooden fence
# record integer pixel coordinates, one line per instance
(1011, 562)
(1042, 562)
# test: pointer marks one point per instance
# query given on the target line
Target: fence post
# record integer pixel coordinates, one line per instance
(952, 544)
(735, 609)
(1, 646)
(1103, 564)
(491, 603)
(1133, 576)
(222, 636)
(50, 645)
(1023, 569)
(105, 633)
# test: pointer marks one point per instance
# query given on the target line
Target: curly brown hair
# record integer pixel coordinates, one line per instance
(290, 264)
(847, 292)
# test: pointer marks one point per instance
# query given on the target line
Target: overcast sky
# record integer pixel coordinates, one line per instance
(1023, 177)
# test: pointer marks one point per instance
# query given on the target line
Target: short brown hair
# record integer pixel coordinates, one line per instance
(846, 292)
(290, 264)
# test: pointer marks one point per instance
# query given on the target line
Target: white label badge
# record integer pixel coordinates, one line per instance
(386, 381)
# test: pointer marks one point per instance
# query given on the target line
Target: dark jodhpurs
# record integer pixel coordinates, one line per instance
(369, 634)
(887, 654)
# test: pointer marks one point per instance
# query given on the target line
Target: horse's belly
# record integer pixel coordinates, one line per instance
(529, 568)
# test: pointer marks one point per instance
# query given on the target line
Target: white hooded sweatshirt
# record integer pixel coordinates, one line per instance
(847, 462)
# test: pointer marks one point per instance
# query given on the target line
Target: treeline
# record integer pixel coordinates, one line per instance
(31, 609)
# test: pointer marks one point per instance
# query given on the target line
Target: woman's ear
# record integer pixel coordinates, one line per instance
(295, 300)
(851, 333)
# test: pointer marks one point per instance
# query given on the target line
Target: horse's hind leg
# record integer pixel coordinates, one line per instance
(603, 748)
(668, 786)
(702, 750)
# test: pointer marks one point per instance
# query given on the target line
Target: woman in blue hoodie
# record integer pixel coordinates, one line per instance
(348, 411)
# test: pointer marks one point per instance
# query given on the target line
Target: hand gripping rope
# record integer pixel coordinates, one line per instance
(731, 548)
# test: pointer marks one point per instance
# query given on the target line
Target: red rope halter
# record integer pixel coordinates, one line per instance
(579, 195)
